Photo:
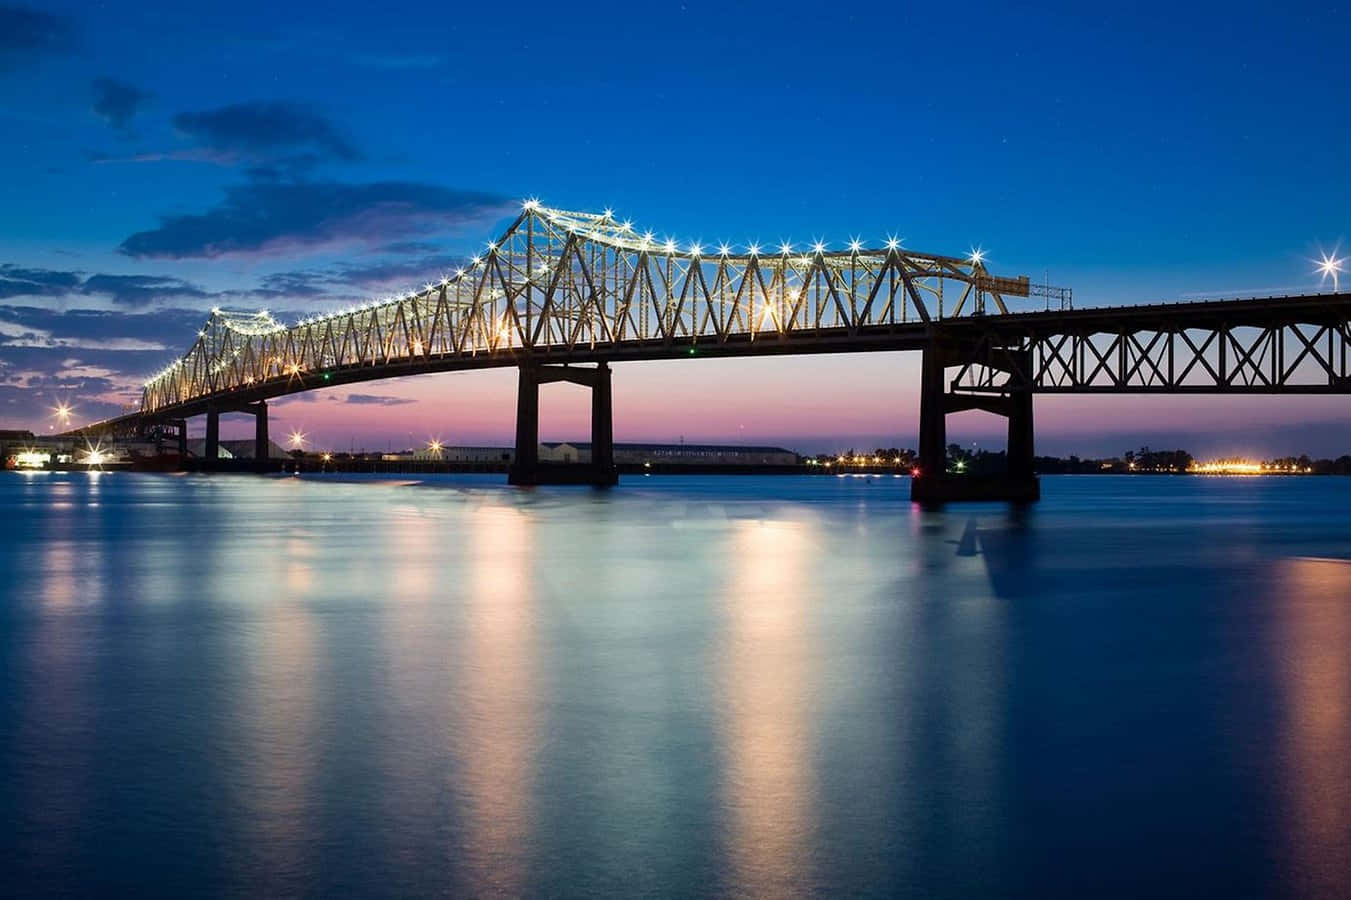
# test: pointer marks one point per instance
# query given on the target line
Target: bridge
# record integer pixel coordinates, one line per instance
(562, 295)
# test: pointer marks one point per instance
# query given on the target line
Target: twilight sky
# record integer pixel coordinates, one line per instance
(163, 158)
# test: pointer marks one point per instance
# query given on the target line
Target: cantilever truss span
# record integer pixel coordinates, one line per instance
(561, 286)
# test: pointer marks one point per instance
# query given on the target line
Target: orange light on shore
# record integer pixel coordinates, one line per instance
(1246, 467)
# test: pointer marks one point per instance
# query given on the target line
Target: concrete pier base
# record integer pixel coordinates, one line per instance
(962, 488)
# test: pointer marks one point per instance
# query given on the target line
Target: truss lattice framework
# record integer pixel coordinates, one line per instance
(561, 280)
(1288, 356)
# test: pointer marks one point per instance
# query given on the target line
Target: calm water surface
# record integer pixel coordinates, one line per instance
(687, 686)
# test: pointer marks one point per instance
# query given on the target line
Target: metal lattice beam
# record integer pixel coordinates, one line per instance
(560, 283)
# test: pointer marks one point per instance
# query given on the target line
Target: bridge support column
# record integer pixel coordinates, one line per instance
(261, 445)
(182, 427)
(527, 468)
(1013, 400)
(932, 415)
(212, 450)
(602, 426)
(1021, 446)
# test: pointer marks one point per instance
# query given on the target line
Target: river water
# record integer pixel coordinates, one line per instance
(742, 686)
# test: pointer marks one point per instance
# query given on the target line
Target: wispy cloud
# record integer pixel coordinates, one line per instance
(377, 400)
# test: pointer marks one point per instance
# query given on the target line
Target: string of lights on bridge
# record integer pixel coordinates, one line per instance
(605, 229)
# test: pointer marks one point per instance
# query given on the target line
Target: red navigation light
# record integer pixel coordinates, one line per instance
(915, 472)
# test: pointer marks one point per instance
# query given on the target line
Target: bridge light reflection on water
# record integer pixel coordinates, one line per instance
(720, 686)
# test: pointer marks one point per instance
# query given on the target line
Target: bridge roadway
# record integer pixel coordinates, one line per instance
(561, 296)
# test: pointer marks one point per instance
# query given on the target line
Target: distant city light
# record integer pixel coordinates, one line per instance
(62, 412)
(31, 459)
(298, 439)
(93, 456)
(434, 446)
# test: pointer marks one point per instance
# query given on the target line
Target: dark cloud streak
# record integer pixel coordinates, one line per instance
(26, 33)
(116, 102)
(266, 217)
(267, 130)
(17, 281)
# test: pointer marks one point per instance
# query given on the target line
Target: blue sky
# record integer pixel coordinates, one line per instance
(163, 158)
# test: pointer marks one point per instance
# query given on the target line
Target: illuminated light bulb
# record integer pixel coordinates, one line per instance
(491, 246)
(855, 245)
(459, 273)
(608, 214)
(530, 205)
(977, 255)
(723, 249)
(647, 237)
(669, 246)
(475, 260)
(785, 248)
(696, 250)
(626, 225)
(754, 249)
(818, 247)
(893, 243)
(1331, 267)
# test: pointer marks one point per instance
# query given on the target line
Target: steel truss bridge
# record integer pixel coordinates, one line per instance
(560, 290)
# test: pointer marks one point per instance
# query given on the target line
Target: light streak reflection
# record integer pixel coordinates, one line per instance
(767, 716)
(497, 728)
(1315, 635)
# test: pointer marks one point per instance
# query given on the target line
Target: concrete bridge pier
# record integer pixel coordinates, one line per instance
(933, 483)
(261, 445)
(211, 452)
(527, 468)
